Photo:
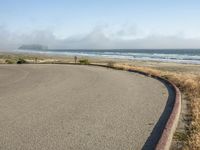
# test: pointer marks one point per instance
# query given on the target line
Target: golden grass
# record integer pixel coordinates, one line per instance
(189, 84)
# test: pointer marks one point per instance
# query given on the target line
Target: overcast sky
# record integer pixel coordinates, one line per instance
(100, 24)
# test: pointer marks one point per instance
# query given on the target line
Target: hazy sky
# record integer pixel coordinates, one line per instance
(100, 24)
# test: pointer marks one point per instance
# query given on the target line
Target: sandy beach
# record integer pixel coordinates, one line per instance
(45, 58)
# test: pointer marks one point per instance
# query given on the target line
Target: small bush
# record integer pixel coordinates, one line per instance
(84, 62)
(10, 61)
(21, 61)
(111, 64)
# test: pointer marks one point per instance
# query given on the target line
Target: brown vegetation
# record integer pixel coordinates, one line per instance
(84, 62)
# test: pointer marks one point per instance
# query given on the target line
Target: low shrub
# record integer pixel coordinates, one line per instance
(111, 64)
(21, 61)
(84, 62)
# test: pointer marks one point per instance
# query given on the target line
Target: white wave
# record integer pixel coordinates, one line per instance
(178, 58)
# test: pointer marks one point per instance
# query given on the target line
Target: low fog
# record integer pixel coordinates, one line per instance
(98, 38)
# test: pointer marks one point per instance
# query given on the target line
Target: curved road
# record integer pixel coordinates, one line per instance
(63, 107)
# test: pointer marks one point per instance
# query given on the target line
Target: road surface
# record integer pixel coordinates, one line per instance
(71, 107)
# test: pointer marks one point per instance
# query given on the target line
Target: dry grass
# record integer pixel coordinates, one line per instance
(189, 84)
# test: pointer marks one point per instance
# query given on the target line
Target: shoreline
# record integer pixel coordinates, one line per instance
(46, 58)
(109, 57)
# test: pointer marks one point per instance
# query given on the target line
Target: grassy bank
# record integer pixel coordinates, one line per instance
(189, 84)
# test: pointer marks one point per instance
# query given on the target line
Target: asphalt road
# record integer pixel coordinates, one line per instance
(66, 107)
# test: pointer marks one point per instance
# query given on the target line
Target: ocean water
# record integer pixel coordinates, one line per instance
(191, 56)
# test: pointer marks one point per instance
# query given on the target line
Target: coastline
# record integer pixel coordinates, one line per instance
(182, 56)
(160, 65)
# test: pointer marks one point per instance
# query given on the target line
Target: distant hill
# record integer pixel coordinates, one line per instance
(34, 47)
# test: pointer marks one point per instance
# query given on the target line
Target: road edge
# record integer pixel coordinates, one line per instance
(166, 137)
